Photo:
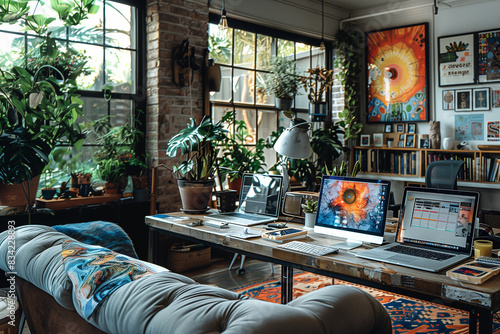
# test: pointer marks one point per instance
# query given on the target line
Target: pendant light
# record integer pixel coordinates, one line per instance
(322, 44)
(223, 19)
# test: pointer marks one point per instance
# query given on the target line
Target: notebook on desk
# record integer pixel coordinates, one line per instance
(435, 231)
(259, 202)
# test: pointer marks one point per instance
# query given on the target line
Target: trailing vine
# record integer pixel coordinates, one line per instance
(348, 45)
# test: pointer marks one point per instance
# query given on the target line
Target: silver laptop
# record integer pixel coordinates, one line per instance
(260, 200)
(435, 230)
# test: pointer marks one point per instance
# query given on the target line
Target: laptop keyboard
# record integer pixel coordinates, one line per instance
(246, 216)
(307, 248)
(428, 254)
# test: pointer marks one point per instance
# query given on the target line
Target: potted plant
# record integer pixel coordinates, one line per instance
(316, 84)
(309, 207)
(112, 171)
(195, 174)
(237, 158)
(48, 192)
(283, 82)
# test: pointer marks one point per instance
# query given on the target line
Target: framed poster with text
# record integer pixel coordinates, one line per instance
(397, 70)
(456, 60)
(488, 56)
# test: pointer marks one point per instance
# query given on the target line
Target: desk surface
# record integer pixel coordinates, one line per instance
(343, 265)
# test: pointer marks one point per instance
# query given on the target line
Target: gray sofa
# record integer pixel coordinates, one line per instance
(166, 302)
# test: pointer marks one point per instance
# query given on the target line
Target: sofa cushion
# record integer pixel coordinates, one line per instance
(96, 272)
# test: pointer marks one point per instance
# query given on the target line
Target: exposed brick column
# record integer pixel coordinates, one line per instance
(170, 107)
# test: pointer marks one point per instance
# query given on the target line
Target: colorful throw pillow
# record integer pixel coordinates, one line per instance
(97, 272)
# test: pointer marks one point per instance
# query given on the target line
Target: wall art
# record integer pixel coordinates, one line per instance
(448, 100)
(456, 60)
(397, 74)
(481, 99)
(488, 56)
(463, 99)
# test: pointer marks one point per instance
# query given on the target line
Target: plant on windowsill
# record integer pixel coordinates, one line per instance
(316, 84)
(195, 174)
(237, 158)
(283, 81)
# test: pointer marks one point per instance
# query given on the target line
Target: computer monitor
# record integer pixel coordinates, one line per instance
(352, 208)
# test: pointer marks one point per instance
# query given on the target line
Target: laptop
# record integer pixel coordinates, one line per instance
(435, 230)
(259, 202)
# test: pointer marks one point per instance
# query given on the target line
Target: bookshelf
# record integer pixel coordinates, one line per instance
(481, 168)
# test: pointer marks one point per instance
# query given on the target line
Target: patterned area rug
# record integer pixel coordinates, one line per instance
(409, 315)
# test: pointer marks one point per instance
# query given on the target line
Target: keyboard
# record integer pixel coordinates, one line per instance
(428, 254)
(249, 216)
(304, 247)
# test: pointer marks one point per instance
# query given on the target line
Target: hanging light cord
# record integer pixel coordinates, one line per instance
(322, 45)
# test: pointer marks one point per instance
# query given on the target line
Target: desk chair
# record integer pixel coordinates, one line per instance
(443, 174)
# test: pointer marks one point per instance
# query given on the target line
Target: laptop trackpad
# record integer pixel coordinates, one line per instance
(398, 258)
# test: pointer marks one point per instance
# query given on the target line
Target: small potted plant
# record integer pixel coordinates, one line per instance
(283, 82)
(309, 207)
(48, 192)
(112, 171)
(316, 84)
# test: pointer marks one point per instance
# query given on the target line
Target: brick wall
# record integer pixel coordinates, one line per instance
(170, 107)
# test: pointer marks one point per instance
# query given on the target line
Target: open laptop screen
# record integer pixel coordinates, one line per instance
(261, 194)
(438, 218)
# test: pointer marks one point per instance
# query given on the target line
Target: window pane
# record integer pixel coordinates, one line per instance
(93, 109)
(244, 49)
(301, 47)
(220, 44)
(93, 80)
(220, 112)
(91, 29)
(285, 48)
(119, 28)
(119, 70)
(121, 112)
(10, 54)
(243, 86)
(249, 117)
(264, 47)
(224, 94)
(262, 96)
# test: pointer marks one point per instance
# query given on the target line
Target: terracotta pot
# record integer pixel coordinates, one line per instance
(13, 194)
(115, 188)
(195, 195)
(235, 184)
(140, 182)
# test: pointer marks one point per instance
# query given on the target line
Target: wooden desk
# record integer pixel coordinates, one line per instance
(480, 300)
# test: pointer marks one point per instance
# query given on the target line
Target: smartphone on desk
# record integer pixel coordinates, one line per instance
(284, 234)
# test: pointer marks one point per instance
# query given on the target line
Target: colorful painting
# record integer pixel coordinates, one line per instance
(493, 133)
(397, 73)
(489, 56)
(456, 60)
(469, 127)
(495, 99)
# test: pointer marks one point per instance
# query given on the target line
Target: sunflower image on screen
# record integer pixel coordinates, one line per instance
(352, 205)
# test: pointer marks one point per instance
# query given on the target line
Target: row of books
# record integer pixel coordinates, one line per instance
(394, 162)
(469, 172)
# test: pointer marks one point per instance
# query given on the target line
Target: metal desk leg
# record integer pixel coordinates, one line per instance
(153, 245)
(286, 284)
(473, 321)
(485, 321)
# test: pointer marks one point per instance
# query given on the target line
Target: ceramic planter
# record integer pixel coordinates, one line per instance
(195, 195)
(309, 221)
(48, 193)
(13, 194)
(283, 104)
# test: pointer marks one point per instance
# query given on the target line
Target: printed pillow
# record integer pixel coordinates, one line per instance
(96, 272)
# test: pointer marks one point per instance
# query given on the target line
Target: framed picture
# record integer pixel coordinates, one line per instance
(424, 143)
(411, 127)
(400, 128)
(398, 80)
(495, 99)
(401, 143)
(463, 100)
(402, 137)
(378, 139)
(481, 99)
(365, 140)
(456, 60)
(388, 128)
(410, 140)
(488, 56)
(448, 100)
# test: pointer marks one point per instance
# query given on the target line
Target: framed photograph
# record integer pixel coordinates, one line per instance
(378, 139)
(481, 98)
(400, 128)
(456, 60)
(448, 100)
(463, 100)
(424, 143)
(365, 140)
(402, 137)
(388, 128)
(411, 127)
(495, 99)
(401, 143)
(488, 56)
(398, 81)
(410, 140)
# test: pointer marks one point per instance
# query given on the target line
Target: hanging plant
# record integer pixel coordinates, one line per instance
(348, 44)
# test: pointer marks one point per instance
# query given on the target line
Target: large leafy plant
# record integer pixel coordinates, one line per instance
(199, 144)
(283, 79)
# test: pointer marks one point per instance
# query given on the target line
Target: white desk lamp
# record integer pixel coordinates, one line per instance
(293, 143)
